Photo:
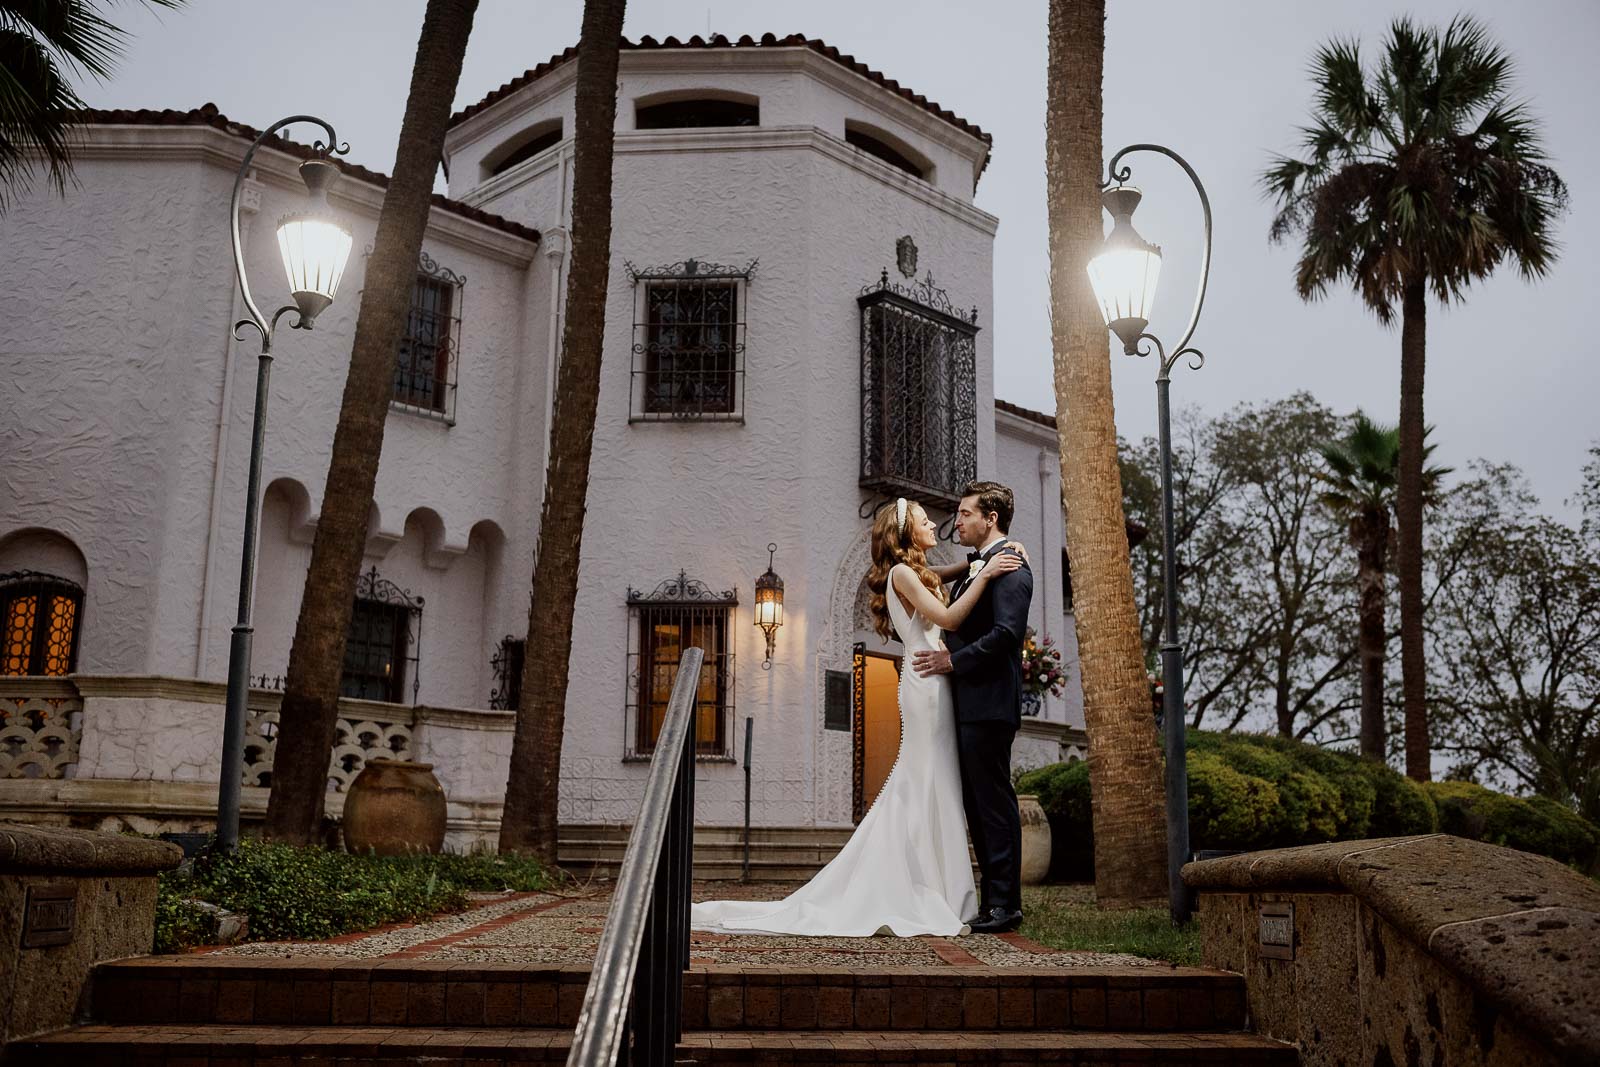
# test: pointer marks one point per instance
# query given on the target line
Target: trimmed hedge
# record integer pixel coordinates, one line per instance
(1532, 824)
(1248, 791)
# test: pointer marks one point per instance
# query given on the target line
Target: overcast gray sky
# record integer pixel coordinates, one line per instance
(1512, 374)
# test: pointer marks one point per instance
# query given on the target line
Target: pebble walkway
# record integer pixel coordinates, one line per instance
(563, 927)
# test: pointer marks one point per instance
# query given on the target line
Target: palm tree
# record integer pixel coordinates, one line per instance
(529, 822)
(1420, 175)
(42, 42)
(309, 715)
(1361, 478)
(1124, 763)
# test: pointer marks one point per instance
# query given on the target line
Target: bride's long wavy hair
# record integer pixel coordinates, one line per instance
(892, 544)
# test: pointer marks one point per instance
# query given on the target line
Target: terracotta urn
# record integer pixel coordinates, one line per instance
(394, 807)
(1035, 840)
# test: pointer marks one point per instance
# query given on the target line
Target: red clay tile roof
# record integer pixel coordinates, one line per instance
(768, 40)
(208, 115)
(1025, 413)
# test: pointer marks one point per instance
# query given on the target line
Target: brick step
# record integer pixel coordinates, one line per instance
(206, 989)
(98, 1045)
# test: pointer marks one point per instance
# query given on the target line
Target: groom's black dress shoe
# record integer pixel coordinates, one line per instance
(997, 921)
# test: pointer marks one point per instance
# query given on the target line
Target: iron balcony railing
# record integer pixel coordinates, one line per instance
(637, 981)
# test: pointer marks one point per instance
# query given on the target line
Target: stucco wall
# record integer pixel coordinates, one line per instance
(456, 507)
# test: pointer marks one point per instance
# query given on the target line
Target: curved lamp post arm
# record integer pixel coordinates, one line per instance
(1118, 176)
(262, 324)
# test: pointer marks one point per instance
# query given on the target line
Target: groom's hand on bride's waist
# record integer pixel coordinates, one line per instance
(930, 662)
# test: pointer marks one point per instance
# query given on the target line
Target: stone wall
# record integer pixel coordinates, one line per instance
(1423, 950)
(68, 900)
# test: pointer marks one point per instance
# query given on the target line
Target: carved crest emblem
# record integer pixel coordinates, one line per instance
(905, 256)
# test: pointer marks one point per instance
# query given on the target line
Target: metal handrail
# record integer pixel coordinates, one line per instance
(644, 947)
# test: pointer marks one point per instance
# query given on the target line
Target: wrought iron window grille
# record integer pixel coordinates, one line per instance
(680, 613)
(41, 617)
(428, 361)
(689, 342)
(384, 646)
(507, 663)
(919, 379)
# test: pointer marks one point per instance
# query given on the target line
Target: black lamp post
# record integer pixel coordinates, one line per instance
(315, 249)
(1124, 277)
(769, 604)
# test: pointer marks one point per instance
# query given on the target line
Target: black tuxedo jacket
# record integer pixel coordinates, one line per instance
(986, 651)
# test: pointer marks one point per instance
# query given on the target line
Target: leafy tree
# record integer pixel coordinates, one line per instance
(1362, 471)
(1266, 610)
(43, 43)
(1418, 175)
(1516, 645)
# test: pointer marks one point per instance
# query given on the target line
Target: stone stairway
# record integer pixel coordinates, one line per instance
(199, 1011)
(776, 854)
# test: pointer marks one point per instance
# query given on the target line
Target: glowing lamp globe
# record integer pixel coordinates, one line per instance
(1125, 273)
(314, 246)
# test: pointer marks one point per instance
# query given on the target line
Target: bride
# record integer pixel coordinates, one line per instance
(905, 870)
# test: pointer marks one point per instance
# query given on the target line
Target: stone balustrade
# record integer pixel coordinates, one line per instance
(1413, 950)
(143, 753)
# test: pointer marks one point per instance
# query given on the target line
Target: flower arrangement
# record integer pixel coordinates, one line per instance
(1042, 670)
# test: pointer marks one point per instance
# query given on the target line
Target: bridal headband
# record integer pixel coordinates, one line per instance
(900, 513)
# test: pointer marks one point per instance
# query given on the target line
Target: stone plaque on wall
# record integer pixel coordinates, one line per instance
(49, 915)
(836, 701)
(1277, 931)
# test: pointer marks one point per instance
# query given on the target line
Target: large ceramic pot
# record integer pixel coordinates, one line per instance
(394, 807)
(1035, 840)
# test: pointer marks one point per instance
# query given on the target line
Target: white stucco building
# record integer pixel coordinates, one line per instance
(797, 328)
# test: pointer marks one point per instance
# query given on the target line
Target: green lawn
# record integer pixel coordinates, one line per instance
(1065, 917)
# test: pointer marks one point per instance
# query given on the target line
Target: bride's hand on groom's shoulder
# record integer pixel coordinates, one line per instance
(1018, 546)
(1003, 563)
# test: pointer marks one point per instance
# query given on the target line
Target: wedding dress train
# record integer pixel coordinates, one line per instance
(906, 869)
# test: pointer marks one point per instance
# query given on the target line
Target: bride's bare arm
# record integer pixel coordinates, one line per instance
(948, 617)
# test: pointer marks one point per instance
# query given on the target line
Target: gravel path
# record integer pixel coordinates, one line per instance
(564, 927)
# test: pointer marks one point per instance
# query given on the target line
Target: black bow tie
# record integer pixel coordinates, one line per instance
(973, 557)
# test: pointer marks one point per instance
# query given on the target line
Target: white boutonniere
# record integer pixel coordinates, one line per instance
(973, 568)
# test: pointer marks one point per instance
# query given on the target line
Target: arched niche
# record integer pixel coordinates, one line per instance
(882, 144)
(44, 551)
(523, 146)
(693, 109)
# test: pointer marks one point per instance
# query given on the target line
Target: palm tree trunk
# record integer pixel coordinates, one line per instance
(1124, 765)
(309, 716)
(1370, 532)
(1408, 517)
(529, 823)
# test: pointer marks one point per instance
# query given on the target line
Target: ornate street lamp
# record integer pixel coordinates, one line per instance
(315, 248)
(769, 604)
(1124, 276)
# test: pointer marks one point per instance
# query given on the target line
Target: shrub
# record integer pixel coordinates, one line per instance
(1248, 791)
(292, 893)
(1532, 824)
(1063, 790)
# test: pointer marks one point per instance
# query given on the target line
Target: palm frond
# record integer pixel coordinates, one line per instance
(41, 43)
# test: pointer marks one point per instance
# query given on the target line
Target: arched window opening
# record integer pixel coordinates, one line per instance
(41, 617)
(697, 113)
(881, 149)
(542, 138)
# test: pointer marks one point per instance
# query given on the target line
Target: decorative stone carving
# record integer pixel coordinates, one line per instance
(355, 742)
(39, 735)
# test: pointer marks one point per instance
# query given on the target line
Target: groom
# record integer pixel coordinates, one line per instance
(985, 657)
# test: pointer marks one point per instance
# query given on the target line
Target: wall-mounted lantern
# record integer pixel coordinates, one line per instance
(769, 604)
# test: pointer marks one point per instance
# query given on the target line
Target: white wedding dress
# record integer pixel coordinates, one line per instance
(906, 869)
